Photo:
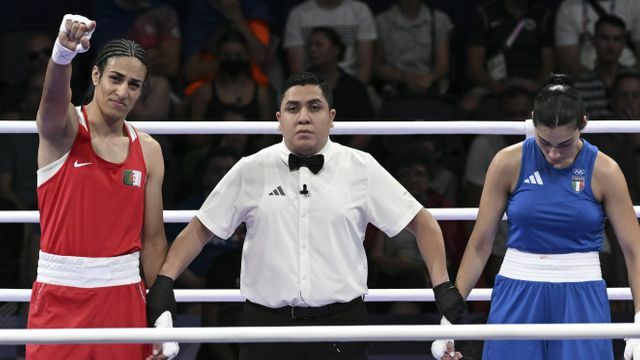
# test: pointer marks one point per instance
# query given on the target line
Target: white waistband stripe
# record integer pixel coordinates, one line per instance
(88, 272)
(573, 267)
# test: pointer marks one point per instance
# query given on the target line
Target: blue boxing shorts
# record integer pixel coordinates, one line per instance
(535, 302)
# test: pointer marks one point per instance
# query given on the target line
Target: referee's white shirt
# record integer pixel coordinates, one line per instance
(306, 250)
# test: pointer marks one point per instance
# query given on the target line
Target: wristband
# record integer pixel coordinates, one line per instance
(61, 55)
(160, 299)
(449, 301)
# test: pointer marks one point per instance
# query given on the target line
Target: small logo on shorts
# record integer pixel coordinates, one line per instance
(577, 180)
(132, 177)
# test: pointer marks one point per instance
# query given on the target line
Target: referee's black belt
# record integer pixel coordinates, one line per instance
(298, 312)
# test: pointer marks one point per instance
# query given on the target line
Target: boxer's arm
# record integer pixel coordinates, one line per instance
(57, 120)
(154, 242)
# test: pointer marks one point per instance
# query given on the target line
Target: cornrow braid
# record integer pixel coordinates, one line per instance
(119, 47)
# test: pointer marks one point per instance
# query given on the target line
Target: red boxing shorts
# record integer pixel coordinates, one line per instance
(73, 292)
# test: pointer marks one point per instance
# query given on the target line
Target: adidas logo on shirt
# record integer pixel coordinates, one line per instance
(277, 192)
(534, 179)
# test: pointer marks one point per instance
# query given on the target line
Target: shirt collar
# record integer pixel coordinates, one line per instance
(283, 151)
(399, 20)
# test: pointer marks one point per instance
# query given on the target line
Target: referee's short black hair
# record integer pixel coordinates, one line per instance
(306, 78)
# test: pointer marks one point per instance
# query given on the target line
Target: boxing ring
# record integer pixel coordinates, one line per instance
(323, 333)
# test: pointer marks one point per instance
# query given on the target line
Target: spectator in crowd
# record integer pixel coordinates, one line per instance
(350, 18)
(413, 55)
(625, 96)
(233, 89)
(510, 43)
(595, 85)
(574, 29)
(325, 50)
(38, 53)
(207, 19)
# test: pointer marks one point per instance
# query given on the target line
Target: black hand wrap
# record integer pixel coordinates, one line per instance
(160, 299)
(450, 302)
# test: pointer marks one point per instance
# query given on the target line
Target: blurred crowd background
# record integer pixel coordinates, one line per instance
(386, 60)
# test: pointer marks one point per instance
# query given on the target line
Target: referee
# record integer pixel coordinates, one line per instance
(306, 203)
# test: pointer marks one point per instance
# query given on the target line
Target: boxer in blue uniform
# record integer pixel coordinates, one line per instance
(557, 190)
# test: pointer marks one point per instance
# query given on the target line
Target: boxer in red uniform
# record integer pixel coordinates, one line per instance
(100, 201)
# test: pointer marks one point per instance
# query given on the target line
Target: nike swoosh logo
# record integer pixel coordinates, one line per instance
(77, 164)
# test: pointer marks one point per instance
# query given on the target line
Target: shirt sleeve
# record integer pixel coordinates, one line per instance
(391, 207)
(293, 30)
(567, 29)
(478, 162)
(443, 26)
(366, 23)
(222, 211)
(633, 25)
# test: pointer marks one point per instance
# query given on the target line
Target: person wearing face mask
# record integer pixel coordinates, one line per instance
(306, 203)
(233, 89)
(558, 190)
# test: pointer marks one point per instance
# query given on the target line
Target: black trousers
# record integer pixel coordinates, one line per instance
(353, 313)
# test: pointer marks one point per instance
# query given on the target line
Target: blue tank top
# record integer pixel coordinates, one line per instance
(553, 211)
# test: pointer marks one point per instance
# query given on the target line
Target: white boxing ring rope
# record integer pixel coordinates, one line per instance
(374, 295)
(319, 333)
(184, 216)
(323, 333)
(348, 127)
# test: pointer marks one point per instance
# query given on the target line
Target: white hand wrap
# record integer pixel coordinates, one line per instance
(632, 349)
(60, 54)
(169, 349)
(439, 347)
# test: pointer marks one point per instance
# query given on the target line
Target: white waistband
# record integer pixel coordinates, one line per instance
(88, 272)
(573, 267)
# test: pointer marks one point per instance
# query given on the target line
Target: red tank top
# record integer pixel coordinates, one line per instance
(91, 207)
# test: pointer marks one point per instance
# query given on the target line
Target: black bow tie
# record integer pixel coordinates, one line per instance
(313, 163)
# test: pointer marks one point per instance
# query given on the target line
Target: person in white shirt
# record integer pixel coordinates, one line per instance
(351, 19)
(306, 203)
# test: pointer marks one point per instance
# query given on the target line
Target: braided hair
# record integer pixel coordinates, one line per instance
(116, 48)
